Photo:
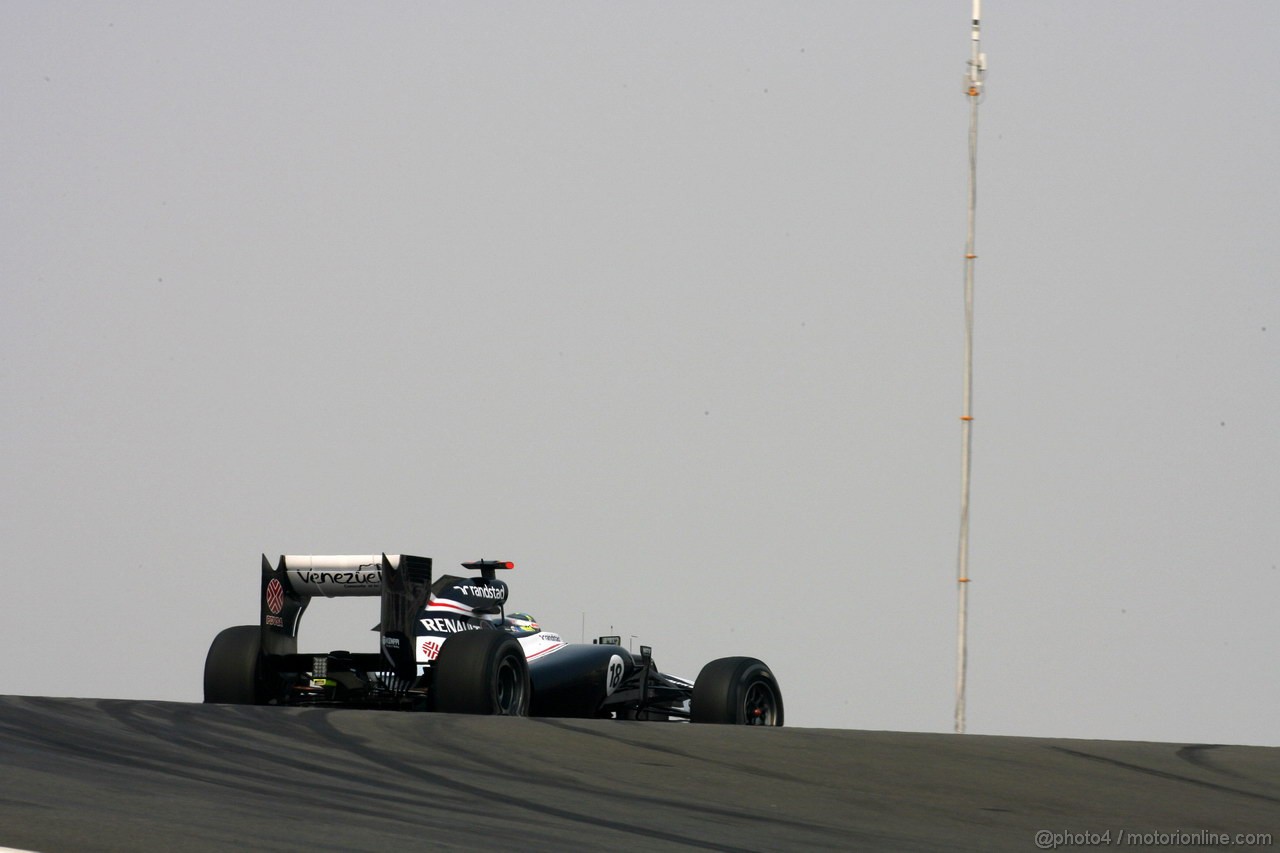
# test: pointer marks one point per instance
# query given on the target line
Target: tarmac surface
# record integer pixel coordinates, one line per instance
(114, 775)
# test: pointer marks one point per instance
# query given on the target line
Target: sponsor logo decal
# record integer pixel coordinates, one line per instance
(363, 578)
(275, 621)
(430, 649)
(550, 638)
(275, 596)
(483, 591)
(447, 626)
(545, 651)
(391, 642)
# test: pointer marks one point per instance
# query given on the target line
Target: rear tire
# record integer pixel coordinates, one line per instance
(736, 691)
(233, 671)
(482, 672)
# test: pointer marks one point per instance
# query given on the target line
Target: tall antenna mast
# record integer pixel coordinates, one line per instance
(973, 90)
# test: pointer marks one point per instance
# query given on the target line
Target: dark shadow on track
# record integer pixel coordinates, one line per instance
(105, 775)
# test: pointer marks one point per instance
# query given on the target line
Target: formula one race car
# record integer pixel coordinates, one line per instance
(450, 645)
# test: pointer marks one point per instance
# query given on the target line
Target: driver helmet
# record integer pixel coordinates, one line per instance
(521, 623)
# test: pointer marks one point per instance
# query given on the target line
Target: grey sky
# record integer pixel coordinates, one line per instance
(661, 301)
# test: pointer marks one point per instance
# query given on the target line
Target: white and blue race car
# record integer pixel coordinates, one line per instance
(448, 644)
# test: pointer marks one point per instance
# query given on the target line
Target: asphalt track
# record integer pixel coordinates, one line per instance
(86, 774)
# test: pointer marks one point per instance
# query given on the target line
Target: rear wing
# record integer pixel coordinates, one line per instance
(403, 581)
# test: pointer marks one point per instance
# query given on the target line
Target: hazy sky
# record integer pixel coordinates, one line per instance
(662, 301)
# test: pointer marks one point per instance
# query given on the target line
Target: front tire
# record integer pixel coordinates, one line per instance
(482, 672)
(736, 691)
(233, 671)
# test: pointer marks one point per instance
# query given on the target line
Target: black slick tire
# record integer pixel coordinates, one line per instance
(482, 672)
(233, 672)
(736, 691)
